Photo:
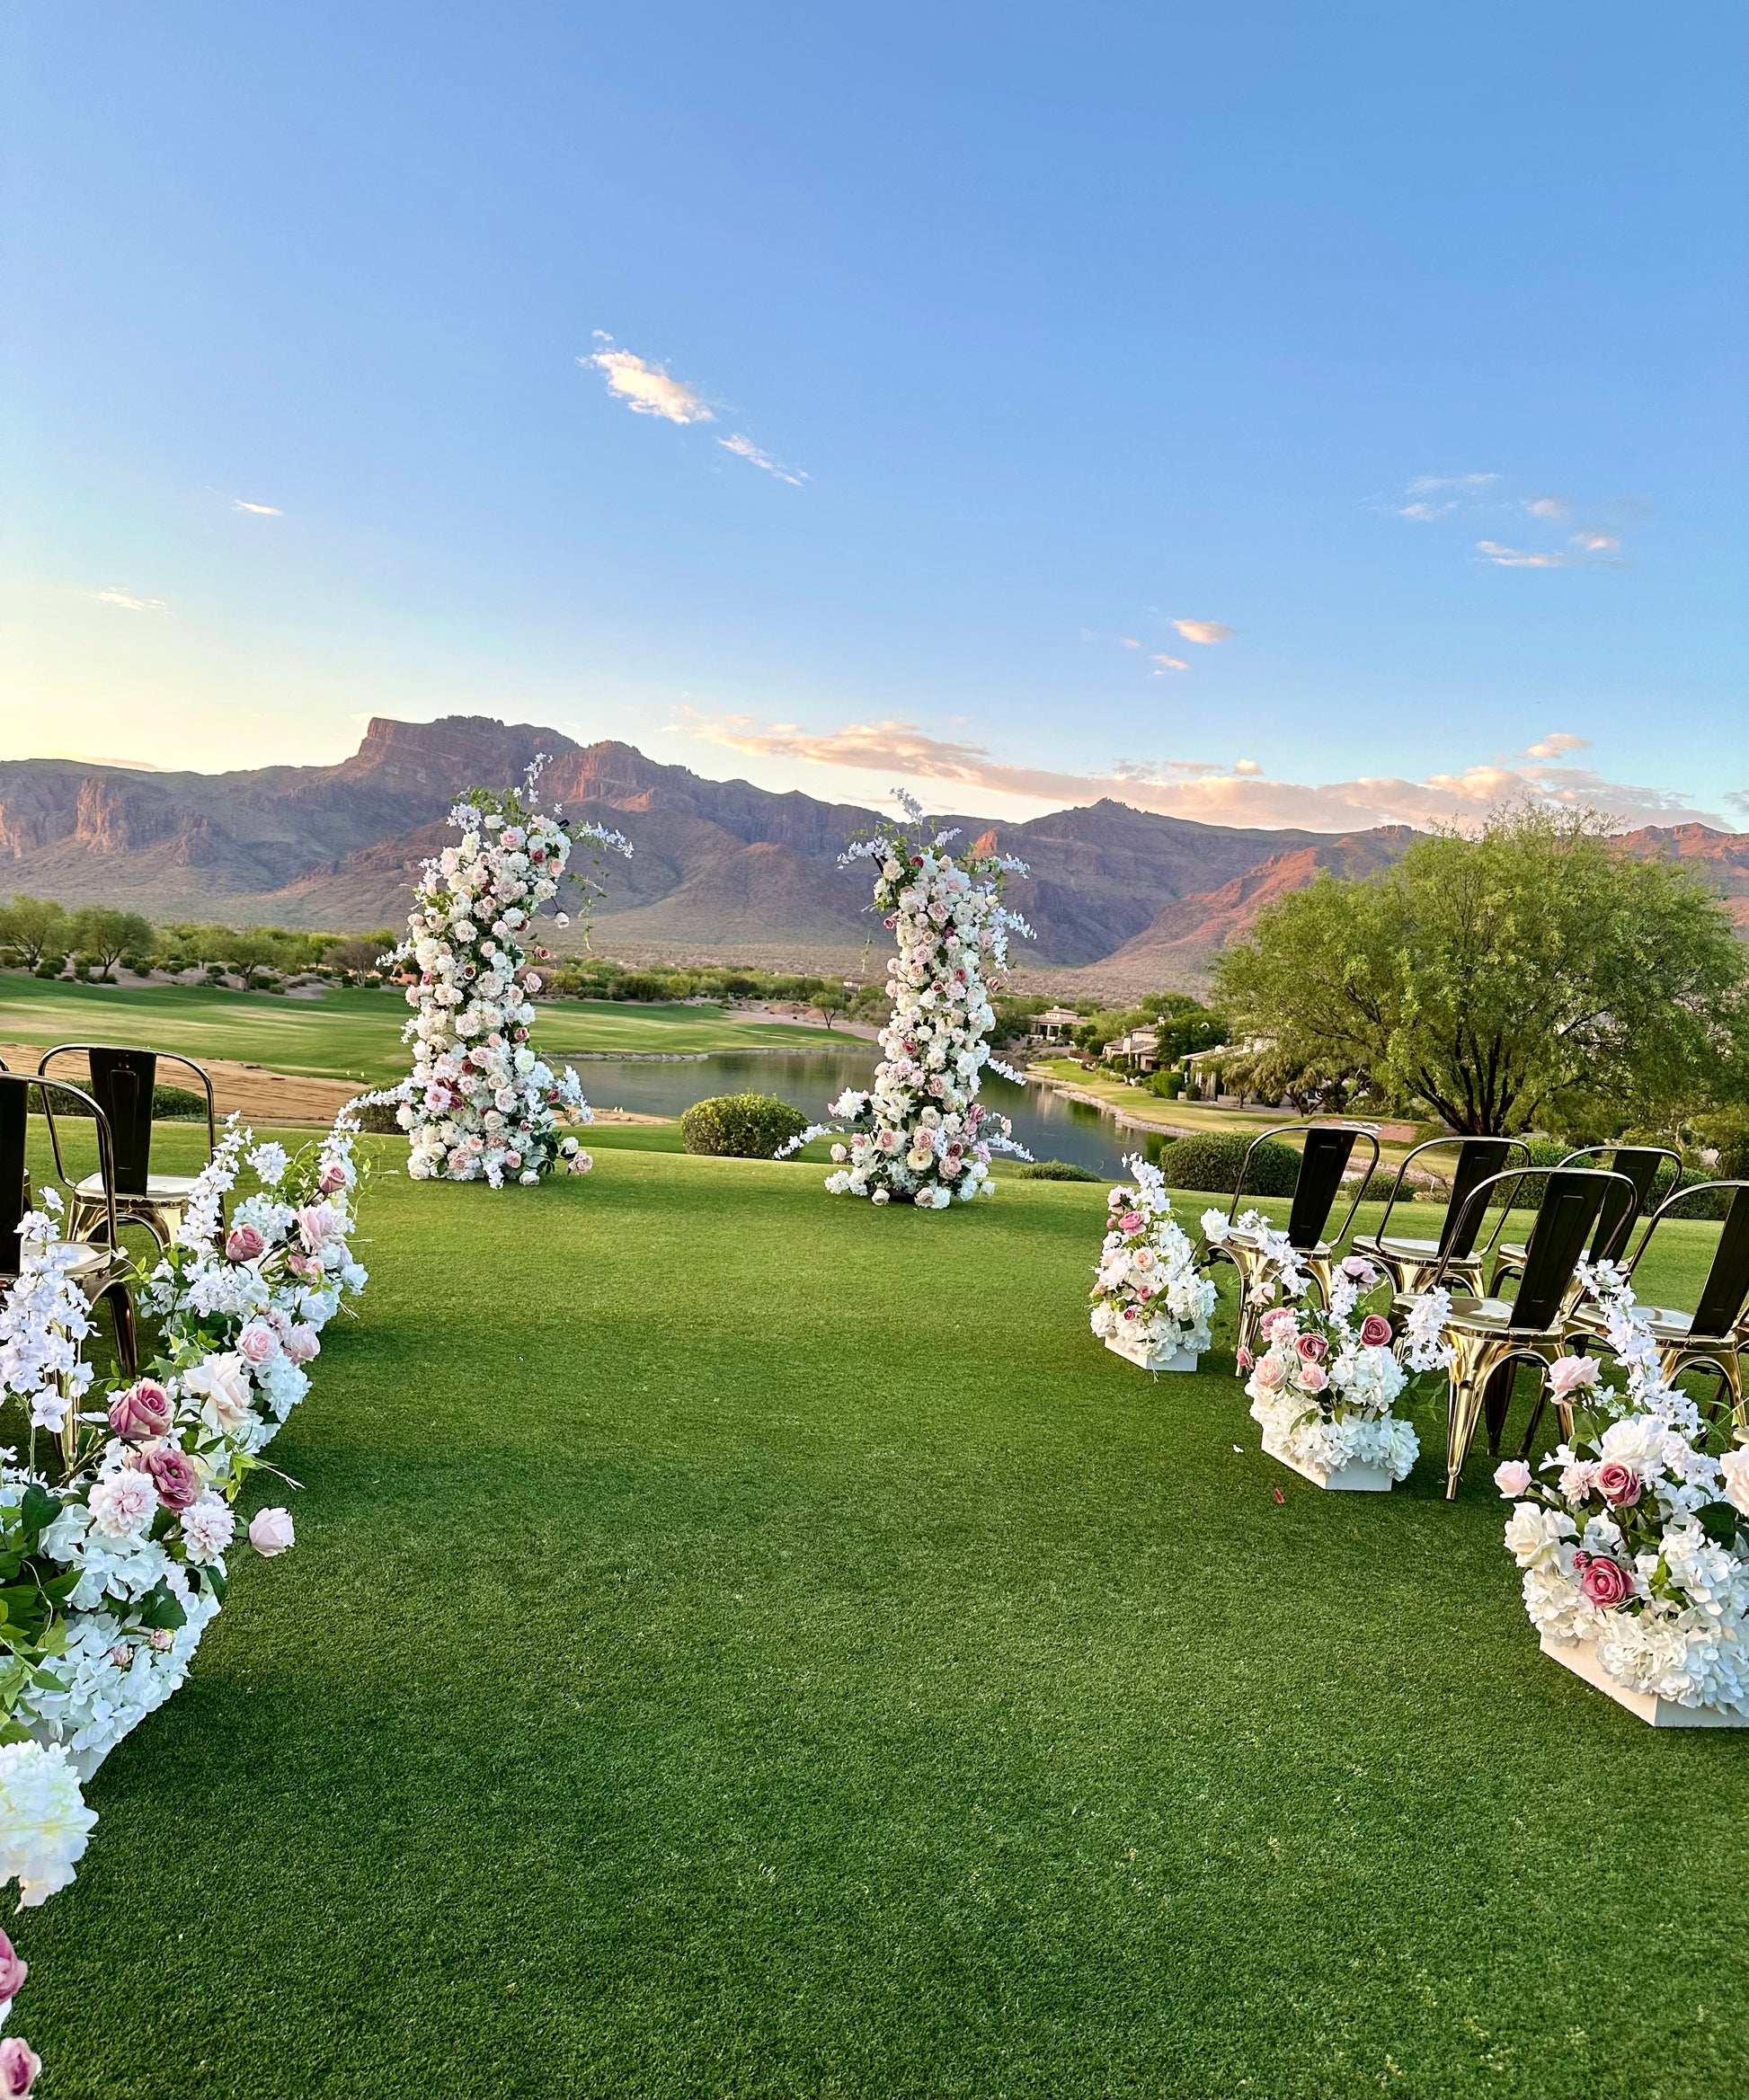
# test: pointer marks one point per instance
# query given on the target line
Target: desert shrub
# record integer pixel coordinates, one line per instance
(740, 1126)
(1211, 1159)
(377, 1119)
(170, 1104)
(642, 984)
(1379, 1186)
(1054, 1170)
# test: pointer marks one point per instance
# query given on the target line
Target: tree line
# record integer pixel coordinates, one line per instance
(38, 934)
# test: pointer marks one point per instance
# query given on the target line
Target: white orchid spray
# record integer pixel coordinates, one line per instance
(480, 1105)
(920, 1135)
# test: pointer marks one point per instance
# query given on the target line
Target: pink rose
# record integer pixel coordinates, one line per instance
(1568, 1374)
(1512, 1478)
(301, 1343)
(1375, 1331)
(580, 1163)
(306, 1265)
(270, 1532)
(257, 1343)
(332, 1180)
(1619, 1484)
(143, 1411)
(1357, 1267)
(1271, 1372)
(1246, 1359)
(174, 1474)
(1132, 1221)
(244, 1244)
(1313, 1377)
(1313, 1348)
(13, 1972)
(316, 1225)
(1279, 1323)
(19, 2066)
(1604, 1582)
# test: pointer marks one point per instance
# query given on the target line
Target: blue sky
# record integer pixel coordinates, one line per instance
(1286, 414)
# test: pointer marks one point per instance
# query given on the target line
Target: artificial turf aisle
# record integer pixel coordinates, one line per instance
(739, 1642)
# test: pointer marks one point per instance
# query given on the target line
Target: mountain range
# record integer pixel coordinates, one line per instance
(721, 870)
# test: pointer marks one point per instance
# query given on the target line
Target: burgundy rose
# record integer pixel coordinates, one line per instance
(143, 1411)
(1619, 1484)
(1313, 1348)
(175, 1475)
(1375, 1331)
(1606, 1582)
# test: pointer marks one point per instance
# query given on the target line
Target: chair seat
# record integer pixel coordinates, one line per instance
(1250, 1242)
(1488, 1316)
(160, 1188)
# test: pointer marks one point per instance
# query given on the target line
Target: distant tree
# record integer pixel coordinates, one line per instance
(358, 955)
(831, 1000)
(103, 936)
(32, 927)
(1502, 976)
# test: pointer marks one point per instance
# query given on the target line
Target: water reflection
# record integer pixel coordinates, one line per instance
(1048, 1126)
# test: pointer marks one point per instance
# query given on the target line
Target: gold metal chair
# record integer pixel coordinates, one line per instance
(1410, 1262)
(1711, 1337)
(98, 1267)
(1491, 1336)
(123, 1079)
(1323, 1160)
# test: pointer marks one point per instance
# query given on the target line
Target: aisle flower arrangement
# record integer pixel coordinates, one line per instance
(1635, 1552)
(920, 1135)
(1323, 1386)
(1151, 1303)
(480, 1105)
(114, 1567)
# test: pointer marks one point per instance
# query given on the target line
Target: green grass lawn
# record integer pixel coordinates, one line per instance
(741, 1642)
(348, 1034)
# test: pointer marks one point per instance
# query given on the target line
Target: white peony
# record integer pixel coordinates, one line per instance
(44, 1822)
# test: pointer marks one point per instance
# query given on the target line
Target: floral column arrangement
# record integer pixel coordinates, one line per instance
(479, 1104)
(920, 1135)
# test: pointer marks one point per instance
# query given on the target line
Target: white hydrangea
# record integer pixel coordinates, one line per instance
(44, 1822)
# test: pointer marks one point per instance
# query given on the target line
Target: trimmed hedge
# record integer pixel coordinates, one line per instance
(740, 1126)
(1054, 1170)
(1211, 1160)
(170, 1104)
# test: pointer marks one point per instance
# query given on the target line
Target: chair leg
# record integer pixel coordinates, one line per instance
(1496, 1401)
(127, 1331)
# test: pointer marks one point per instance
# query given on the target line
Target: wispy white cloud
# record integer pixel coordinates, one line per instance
(1552, 747)
(1595, 542)
(1502, 557)
(128, 603)
(745, 448)
(1208, 632)
(1551, 507)
(1424, 512)
(646, 389)
(256, 509)
(1241, 794)
(1167, 663)
(1433, 484)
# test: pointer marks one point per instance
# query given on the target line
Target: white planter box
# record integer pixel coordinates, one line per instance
(1581, 1658)
(1350, 1479)
(1152, 1358)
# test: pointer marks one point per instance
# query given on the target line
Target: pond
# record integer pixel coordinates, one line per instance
(1048, 1126)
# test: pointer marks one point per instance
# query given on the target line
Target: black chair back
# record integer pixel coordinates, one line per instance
(1322, 1164)
(1567, 1215)
(1727, 1281)
(1477, 1158)
(123, 1081)
(14, 1129)
(1639, 1164)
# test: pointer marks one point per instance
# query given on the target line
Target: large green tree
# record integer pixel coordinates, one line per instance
(1529, 972)
(103, 936)
(32, 927)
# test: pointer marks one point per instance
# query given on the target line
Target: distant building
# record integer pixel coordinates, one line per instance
(1139, 1051)
(1055, 1024)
